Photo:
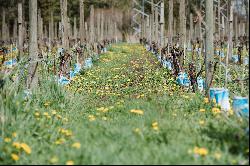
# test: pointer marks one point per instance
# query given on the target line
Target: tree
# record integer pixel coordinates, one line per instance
(20, 30)
(170, 22)
(33, 50)
(82, 21)
(209, 43)
(64, 22)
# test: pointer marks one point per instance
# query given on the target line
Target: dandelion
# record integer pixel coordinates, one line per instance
(137, 130)
(37, 114)
(214, 101)
(14, 134)
(217, 156)
(54, 160)
(200, 151)
(70, 162)
(206, 100)
(59, 116)
(46, 114)
(46, 104)
(104, 118)
(230, 112)
(53, 112)
(174, 115)
(91, 118)
(202, 110)
(26, 148)
(65, 119)
(139, 112)
(201, 122)
(17, 145)
(155, 126)
(216, 111)
(76, 145)
(59, 141)
(7, 140)
(14, 157)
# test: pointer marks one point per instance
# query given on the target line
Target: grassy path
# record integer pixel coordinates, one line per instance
(125, 110)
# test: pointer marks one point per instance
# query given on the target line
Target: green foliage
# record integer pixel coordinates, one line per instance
(62, 124)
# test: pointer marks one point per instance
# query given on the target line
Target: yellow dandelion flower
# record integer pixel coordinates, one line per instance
(185, 97)
(139, 112)
(137, 130)
(53, 160)
(14, 134)
(206, 100)
(17, 145)
(65, 119)
(104, 118)
(37, 114)
(68, 133)
(46, 104)
(201, 122)
(46, 114)
(70, 162)
(91, 118)
(60, 141)
(7, 140)
(76, 145)
(174, 114)
(230, 112)
(214, 101)
(53, 112)
(14, 157)
(155, 126)
(26, 148)
(216, 111)
(202, 110)
(217, 156)
(200, 151)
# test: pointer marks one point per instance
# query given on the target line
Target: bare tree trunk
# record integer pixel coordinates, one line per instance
(25, 31)
(152, 21)
(170, 22)
(39, 20)
(182, 15)
(55, 30)
(92, 26)
(75, 30)
(82, 21)
(15, 30)
(3, 24)
(162, 25)
(20, 30)
(247, 11)
(102, 25)
(45, 32)
(33, 52)
(98, 25)
(157, 26)
(65, 28)
(230, 37)
(219, 20)
(236, 28)
(86, 30)
(209, 43)
(191, 29)
(51, 28)
(223, 28)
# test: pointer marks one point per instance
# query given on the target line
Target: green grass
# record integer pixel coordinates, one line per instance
(125, 78)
